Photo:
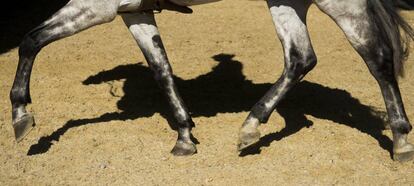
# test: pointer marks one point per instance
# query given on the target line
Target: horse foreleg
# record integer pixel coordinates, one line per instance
(378, 49)
(289, 17)
(76, 16)
(145, 31)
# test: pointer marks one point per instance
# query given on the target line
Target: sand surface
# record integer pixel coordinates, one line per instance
(102, 120)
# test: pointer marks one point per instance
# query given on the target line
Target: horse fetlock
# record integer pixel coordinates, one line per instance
(401, 127)
(184, 148)
(20, 96)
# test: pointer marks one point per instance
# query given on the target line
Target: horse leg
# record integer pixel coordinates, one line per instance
(365, 32)
(289, 17)
(77, 15)
(145, 31)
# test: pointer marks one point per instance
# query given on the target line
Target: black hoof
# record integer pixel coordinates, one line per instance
(248, 138)
(182, 148)
(23, 126)
(404, 157)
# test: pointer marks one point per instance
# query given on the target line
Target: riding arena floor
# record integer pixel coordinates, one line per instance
(102, 120)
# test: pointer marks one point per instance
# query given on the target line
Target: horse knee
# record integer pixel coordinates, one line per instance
(299, 63)
(29, 46)
(380, 63)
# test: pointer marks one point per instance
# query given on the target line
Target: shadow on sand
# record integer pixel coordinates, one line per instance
(226, 90)
(18, 17)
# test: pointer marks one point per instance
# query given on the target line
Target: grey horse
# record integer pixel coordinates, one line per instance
(373, 27)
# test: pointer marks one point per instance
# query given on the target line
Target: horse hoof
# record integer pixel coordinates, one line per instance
(404, 157)
(405, 153)
(182, 148)
(247, 138)
(23, 126)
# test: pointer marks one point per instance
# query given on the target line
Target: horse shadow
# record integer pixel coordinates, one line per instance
(18, 17)
(226, 90)
(325, 103)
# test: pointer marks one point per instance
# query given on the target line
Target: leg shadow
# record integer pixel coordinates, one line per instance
(322, 102)
(224, 90)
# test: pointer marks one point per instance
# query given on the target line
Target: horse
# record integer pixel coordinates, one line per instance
(373, 27)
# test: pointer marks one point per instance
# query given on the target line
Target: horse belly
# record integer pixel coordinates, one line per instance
(134, 5)
(129, 5)
(192, 2)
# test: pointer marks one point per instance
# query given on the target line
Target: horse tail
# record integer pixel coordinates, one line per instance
(394, 30)
(404, 4)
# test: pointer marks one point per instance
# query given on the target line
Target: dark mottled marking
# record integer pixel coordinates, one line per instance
(157, 59)
(297, 65)
(157, 41)
(384, 53)
(43, 35)
(380, 43)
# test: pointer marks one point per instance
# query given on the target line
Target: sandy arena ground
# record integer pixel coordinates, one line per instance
(102, 120)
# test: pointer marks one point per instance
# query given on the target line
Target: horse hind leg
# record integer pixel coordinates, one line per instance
(74, 17)
(379, 45)
(289, 17)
